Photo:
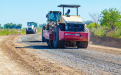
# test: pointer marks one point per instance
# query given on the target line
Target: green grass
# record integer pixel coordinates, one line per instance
(16, 31)
(39, 30)
(116, 33)
(12, 31)
(23, 31)
(99, 31)
(106, 32)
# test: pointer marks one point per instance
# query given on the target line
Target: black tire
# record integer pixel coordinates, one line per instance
(43, 38)
(26, 31)
(34, 31)
(49, 43)
(82, 44)
(56, 42)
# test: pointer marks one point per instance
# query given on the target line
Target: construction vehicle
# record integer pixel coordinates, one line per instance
(65, 30)
(30, 28)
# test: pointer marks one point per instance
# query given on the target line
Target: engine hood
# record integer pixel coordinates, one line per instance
(65, 19)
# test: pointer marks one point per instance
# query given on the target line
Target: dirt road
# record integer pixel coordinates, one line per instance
(17, 60)
(8, 63)
(30, 56)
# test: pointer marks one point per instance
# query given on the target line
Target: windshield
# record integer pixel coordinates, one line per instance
(54, 17)
(29, 24)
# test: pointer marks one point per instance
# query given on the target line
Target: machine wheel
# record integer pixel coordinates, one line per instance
(26, 31)
(82, 44)
(49, 43)
(56, 41)
(34, 31)
(43, 38)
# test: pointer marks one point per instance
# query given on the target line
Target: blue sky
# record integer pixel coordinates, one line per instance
(23, 11)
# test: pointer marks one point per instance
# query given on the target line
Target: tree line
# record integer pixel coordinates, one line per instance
(41, 25)
(17, 26)
(11, 26)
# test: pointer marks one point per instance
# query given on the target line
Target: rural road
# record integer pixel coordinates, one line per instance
(34, 57)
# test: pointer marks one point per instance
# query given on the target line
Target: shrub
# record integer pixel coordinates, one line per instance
(92, 25)
(116, 33)
(100, 31)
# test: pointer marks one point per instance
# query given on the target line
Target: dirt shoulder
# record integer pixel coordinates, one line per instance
(8, 66)
(27, 63)
(105, 41)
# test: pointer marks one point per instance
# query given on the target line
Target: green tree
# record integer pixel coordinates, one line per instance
(41, 25)
(110, 18)
(88, 22)
(19, 26)
(0, 26)
(13, 26)
(93, 25)
(96, 18)
(35, 24)
(7, 26)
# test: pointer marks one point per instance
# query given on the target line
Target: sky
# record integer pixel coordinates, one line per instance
(23, 11)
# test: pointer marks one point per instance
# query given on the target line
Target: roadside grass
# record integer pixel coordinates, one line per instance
(103, 31)
(16, 31)
(99, 31)
(12, 31)
(23, 31)
(39, 30)
(116, 33)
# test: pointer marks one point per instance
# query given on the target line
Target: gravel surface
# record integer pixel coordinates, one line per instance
(15, 59)
(90, 60)
(9, 59)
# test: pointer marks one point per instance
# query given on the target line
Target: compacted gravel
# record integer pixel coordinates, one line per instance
(91, 60)
(17, 59)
